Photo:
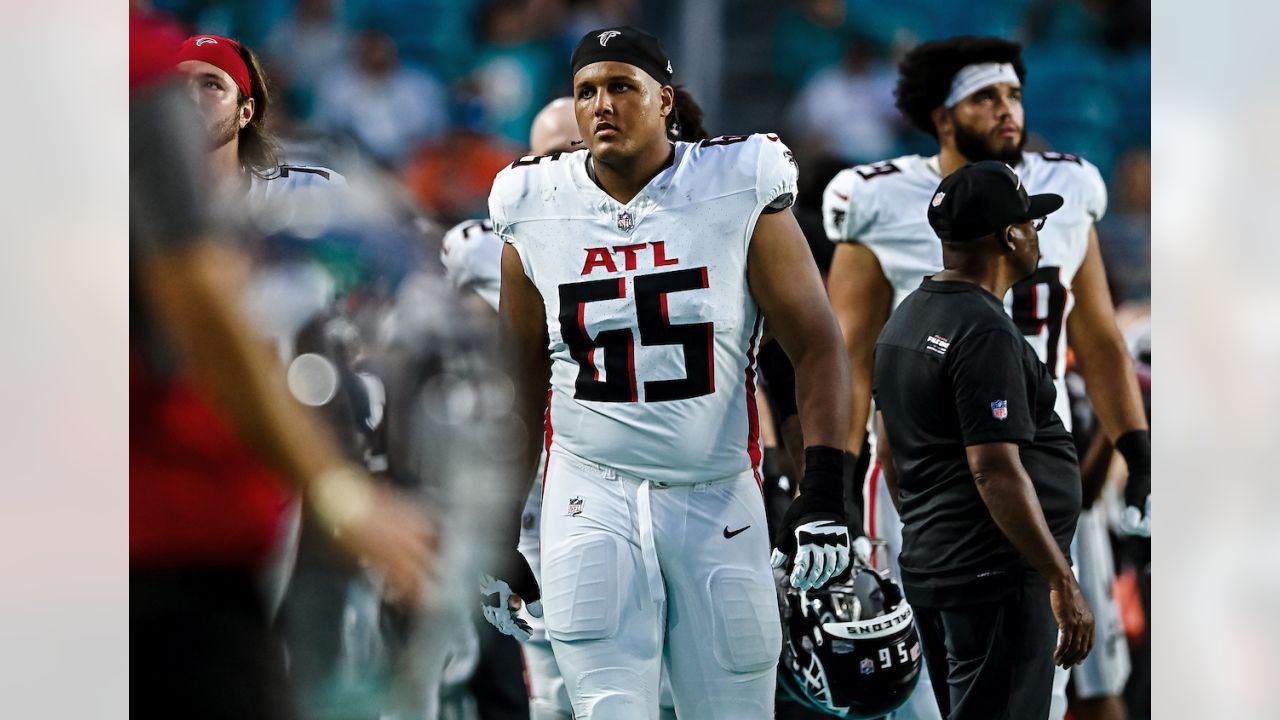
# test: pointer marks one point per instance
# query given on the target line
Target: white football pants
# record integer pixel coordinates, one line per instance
(635, 573)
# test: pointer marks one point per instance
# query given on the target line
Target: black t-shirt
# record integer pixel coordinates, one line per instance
(952, 370)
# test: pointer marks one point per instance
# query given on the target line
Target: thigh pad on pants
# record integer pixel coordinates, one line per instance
(581, 593)
(614, 694)
(746, 628)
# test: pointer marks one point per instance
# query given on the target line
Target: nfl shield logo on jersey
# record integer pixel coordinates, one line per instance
(1000, 409)
(867, 666)
(626, 222)
(575, 506)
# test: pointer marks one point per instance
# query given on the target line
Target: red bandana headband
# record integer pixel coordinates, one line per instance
(222, 53)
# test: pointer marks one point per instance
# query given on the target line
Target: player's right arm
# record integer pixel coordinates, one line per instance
(860, 297)
(860, 294)
(523, 321)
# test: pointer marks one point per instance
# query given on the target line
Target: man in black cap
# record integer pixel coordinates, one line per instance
(988, 481)
(636, 276)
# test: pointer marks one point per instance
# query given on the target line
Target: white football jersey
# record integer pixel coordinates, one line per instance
(472, 256)
(283, 295)
(884, 206)
(297, 198)
(653, 330)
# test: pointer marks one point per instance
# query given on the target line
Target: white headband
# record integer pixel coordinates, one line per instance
(973, 78)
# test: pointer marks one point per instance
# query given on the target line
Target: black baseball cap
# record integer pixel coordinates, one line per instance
(626, 44)
(982, 198)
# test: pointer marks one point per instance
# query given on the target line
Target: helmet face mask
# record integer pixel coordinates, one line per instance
(850, 649)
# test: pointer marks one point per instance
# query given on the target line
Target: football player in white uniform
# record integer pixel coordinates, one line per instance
(967, 92)
(634, 284)
(472, 257)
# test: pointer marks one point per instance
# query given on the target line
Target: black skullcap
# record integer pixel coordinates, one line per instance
(623, 44)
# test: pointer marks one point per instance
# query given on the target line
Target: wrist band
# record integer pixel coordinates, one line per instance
(1135, 446)
(823, 470)
(340, 497)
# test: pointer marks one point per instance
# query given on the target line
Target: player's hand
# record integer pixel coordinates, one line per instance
(1135, 446)
(813, 534)
(1136, 519)
(860, 548)
(394, 537)
(817, 543)
(501, 600)
(1075, 622)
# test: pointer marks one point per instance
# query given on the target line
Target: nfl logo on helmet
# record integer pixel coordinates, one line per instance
(1000, 409)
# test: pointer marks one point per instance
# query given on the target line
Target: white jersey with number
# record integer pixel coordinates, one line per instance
(471, 253)
(653, 331)
(884, 206)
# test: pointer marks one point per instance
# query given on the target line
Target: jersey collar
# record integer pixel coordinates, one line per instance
(641, 206)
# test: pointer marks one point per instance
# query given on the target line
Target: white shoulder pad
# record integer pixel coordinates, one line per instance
(1077, 179)
(294, 196)
(759, 164)
(776, 173)
(523, 189)
(860, 192)
(472, 256)
(1096, 196)
(836, 205)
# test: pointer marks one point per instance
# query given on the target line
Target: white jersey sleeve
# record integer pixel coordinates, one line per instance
(776, 173)
(849, 206)
(1077, 179)
(512, 186)
(472, 256)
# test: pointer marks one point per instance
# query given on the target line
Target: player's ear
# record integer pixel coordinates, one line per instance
(246, 111)
(942, 121)
(667, 100)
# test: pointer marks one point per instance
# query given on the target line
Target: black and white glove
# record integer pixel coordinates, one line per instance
(501, 599)
(512, 583)
(1135, 446)
(813, 533)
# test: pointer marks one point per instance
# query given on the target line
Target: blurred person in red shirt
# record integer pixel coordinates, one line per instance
(216, 440)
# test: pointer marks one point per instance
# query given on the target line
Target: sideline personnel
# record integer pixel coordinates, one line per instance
(989, 485)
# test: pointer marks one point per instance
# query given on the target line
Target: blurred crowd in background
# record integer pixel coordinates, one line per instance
(441, 93)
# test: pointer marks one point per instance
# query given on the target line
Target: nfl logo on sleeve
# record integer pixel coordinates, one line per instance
(1000, 409)
(575, 506)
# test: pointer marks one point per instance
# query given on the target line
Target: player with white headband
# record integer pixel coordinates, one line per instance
(967, 93)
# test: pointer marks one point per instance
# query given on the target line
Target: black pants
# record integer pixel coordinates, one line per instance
(992, 661)
(200, 647)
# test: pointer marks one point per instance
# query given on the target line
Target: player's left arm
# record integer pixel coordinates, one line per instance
(785, 283)
(1110, 379)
